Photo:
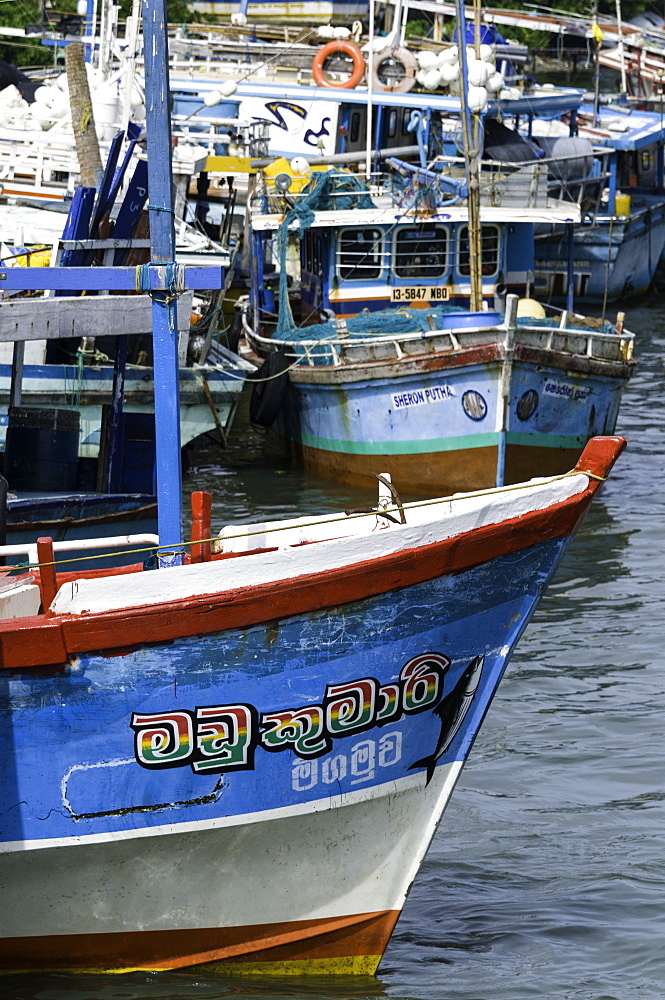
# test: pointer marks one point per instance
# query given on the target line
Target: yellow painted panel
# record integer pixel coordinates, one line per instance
(228, 165)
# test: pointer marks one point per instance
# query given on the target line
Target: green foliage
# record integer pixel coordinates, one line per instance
(18, 14)
(29, 52)
(417, 29)
(178, 11)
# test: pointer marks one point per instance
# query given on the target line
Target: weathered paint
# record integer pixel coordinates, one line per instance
(435, 428)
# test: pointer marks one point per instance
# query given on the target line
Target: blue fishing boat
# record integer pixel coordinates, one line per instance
(72, 518)
(238, 759)
(403, 375)
(215, 722)
(619, 242)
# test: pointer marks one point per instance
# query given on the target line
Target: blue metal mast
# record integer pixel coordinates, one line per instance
(164, 303)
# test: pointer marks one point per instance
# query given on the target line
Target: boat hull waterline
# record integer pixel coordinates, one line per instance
(437, 422)
(252, 779)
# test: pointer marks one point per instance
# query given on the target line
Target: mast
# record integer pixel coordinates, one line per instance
(370, 72)
(162, 252)
(597, 36)
(622, 57)
(472, 135)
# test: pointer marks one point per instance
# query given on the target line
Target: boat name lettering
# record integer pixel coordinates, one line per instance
(221, 738)
(420, 397)
(359, 764)
(568, 391)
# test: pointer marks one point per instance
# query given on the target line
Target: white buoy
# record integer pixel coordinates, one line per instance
(300, 166)
(59, 103)
(427, 59)
(487, 53)
(228, 88)
(449, 73)
(477, 99)
(420, 77)
(447, 56)
(238, 19)
(432, 79)
(211, 98)
(479, 73)
(325, 31)
(43, 96)
(495, 83)
(42, 115)
(341, 32)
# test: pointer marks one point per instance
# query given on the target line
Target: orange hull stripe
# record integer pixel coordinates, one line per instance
(337, 937)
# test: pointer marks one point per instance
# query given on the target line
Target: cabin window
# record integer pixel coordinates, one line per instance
(359, 254)
(421, 252)
(354, 129)
(489, 241)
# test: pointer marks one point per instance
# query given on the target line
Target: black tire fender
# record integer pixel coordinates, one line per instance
(271, 380)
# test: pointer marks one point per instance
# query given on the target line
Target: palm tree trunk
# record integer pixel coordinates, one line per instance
(83, 119)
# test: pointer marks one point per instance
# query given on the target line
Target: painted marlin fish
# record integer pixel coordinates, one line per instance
(452, 711)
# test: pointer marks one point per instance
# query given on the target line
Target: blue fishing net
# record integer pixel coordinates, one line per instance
(381, 323)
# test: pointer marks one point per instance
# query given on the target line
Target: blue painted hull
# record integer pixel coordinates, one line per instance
(69, 517)
(613, 259)
(253, 780)
(93, 801)
(439, 431)
(270, 668)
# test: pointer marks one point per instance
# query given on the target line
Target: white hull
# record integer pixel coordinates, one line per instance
(341, 857)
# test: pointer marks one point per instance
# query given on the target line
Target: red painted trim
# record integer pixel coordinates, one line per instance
(201, 514)
(47, 574)
(25, 643)
(324, 938)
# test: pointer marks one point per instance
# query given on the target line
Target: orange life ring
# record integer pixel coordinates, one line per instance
(351, 50)
(409, 65)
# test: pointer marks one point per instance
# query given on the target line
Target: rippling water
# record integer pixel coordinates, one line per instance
(546, 877)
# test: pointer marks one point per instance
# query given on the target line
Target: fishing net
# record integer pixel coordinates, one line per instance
(364, 326)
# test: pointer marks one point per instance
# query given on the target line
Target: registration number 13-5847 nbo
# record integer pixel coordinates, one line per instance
(419, 293)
